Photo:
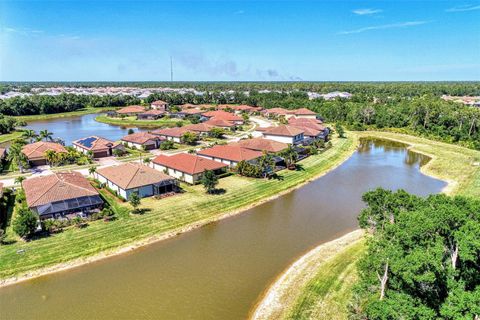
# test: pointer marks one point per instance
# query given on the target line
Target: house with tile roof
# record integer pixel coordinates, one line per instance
(143, 140)
(152, 114)
(131, 177)
(131, 110)
(35, 152)
(159, 105)
(173, 134)
(223, 115)
(61, 194)
(201, 129)
(100, 147)
(230, 154)
(261, 144)
(187, 167)
(284, 133)
(219, 123)
(304, 113)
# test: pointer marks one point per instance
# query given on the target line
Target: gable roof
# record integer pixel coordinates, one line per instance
(170, 132)
(56, 187)
(131, 109)
(140, 137)
(223, 115)
(188, 163)
(159, 103)
(199, 127)
(279, 111)
(95, 143)
(283, 130)
(304, 111)
(309, 132)
(37, 150)
(232, 152)
(294, 120)
(132, 175)
(191, 111)
(261, 144)
(242, 107)
(154, 112)
(220, 123)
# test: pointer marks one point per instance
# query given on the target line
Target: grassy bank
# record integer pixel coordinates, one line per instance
(327, 293)
(80, 112)
(10, 136)
(162, 218)
(133, 122)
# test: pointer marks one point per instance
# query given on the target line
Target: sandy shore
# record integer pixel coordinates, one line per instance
(150, 240)
(288, 286)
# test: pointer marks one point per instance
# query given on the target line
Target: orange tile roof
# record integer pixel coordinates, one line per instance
(305, 124)
(140, 137)
(159, 103)
(242, 107)
(96, 145)
(309, 132)
(131, 109)
(220, 123)
(261, 144)
(293, 120)
(56, 187)
(303, 111)
(170, 132)
(35, 151)
(199, 127)
(132, 175)
(187, 106)
(192, 111)
(154, 112)
(188, 163)
(233, 152)
(223, 115)
(283, 130)
(279, 111)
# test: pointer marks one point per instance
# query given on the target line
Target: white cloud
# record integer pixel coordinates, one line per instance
(467, 7)
(363, 12)
(385, 26)
(239, 12)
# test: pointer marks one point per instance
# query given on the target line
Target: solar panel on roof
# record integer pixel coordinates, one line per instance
(87, 142)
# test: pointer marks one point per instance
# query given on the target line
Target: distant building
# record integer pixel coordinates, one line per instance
(187, 167)
(35, 152)
(261, 144)
(229, 154)
(61, 194)
(173, 134)
(285, 134)
(99, 146)
(219, 123)
(131, 110)
(152, 114)
(223, 115)
(129, 178)
(159, 105)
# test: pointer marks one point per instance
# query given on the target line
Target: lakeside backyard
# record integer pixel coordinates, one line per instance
(319, 288)
(76, 246)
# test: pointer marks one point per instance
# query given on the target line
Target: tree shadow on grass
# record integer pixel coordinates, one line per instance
(141, 211)
(218, 191)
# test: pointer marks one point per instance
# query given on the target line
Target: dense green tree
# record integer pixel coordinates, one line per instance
(189, 138)
(209, 181)
(25, 222)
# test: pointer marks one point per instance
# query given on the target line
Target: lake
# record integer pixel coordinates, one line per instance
(220, 271)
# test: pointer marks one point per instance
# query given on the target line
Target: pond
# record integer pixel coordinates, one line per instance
(219, 271)
(73, 128)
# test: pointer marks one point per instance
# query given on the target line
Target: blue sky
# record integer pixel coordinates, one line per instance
(244, 40)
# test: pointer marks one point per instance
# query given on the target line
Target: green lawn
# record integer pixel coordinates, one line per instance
(10, 136)
(80, 112)
(133, 122)
(164, 216)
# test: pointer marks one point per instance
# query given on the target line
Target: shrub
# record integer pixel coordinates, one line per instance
(25, 222)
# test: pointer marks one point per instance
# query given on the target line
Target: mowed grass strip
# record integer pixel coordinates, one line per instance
(132, 121)
(326, 296)
(50, 116)
(163, 216)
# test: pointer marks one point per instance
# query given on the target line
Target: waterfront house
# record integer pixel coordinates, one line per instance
(152, 114)
(188, 112)
(131, 110)
(159, 105)
(223, 115)
(132, 177)
(173, 134)
(261, 144)
(304, 121)
(304, 113)
(187, 167)
(35, 152)
(99, 146)
(284, 133)
(201, 129)
(62, 194)
(219, 123)
(143, 140)
(230, 154)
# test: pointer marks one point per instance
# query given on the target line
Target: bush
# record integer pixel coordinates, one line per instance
(166, 145)
(25, 222)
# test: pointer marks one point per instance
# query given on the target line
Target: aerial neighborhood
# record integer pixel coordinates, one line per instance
(217, 139)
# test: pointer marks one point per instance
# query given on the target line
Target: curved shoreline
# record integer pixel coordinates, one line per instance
(286, 288)
(157, 238)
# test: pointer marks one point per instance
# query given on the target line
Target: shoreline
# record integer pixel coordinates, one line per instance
(168, 235)
(52, 116)
(271, 303)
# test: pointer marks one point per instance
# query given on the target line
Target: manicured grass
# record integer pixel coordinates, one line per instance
(64, 114)
(133, 122)
(161, 217)
(327, 294)
(10, 136)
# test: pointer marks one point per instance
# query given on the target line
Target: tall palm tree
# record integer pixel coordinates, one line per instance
(19, 180)
(45, 134)
(15, 155)
(92, 170)
(30, 135)
(51, 157)
(290, 155)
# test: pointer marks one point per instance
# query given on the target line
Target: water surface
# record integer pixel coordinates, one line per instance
(219, 271)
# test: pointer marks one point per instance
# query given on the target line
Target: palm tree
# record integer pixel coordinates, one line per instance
(147, 160)
(15, 155)
(290, 155)
(45, 134)
(19, 180)
(30, 135)
(50, 156)
(92, 170)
